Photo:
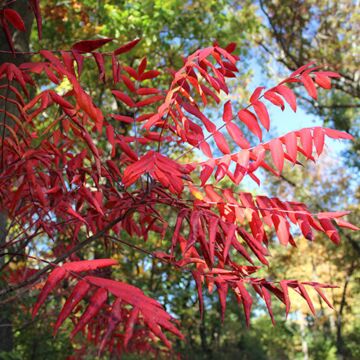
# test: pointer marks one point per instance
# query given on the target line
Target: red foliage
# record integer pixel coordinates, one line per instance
(59, 179)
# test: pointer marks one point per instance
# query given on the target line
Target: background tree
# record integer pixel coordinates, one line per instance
(326, 33)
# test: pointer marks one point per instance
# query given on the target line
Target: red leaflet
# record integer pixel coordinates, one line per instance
(114, 319)
(246, 301)
(54, 278)
(213, 225)
(126, 47)
(277, 153)
(267, 298)
(306, 297)
(198, 283)
(249, 119)
(306, 141)
(282, 229)
(95, 305)
(147, 91)
(151, 74)
(309, 85)
(288, 95)
(275, 99)
(90, 45)
(129, 329)
(78, 293)
(221, 142)
(124, 98)
(100, 63)
(72, 212)
(36, 9)
(126, 149)
(227, 114)
(255, 95)
(319, 139)
(319, 291)
(323, 81)
(88, 265)
(284, 287)
(330, 230)
(150, 100)
(301, 69)
(345, 224)
(222, 289)
(206, 171)
(142, 66)
(336, 134)
(262, 114)
(14, 19)
(290, 141)
(237, 135)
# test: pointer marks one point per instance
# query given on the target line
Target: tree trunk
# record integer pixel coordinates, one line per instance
(304, 344)
(21, 44)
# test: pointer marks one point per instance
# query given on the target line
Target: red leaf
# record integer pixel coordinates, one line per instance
(330, 230)
(197, 278)
(309, 85)
(151, 74)
(54, 278)
(282, 229)
(262, 114)
(284, 287)
(126, 47)
(319, 291)
(290, 141)
(222, 291)
(274, 98)
(130, 324)
(221, 142)
(114, 319)
(267, 298)
(319, 140)
(249, 119)
(88, 265)
(323, 81)
(277, 153)
(150, 100)
(307, 298)
(142, 66)
(246, 301)
(345, 224)
(227, 115)
(336, 134)
(301, 69)
(126, 99)
(288, 95)
(36, 9)
(135, 170)
(255, 95)
(14, 19)
(78, 293)
(95, 305)
(206, 172)
(100, 64)
(306, 141)
(237, 135)
(85, 46)
(213, 225)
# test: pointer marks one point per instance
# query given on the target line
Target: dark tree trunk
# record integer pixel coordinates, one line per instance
(21, 44)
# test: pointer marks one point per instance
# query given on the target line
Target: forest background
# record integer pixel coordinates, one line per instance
(273, 37)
